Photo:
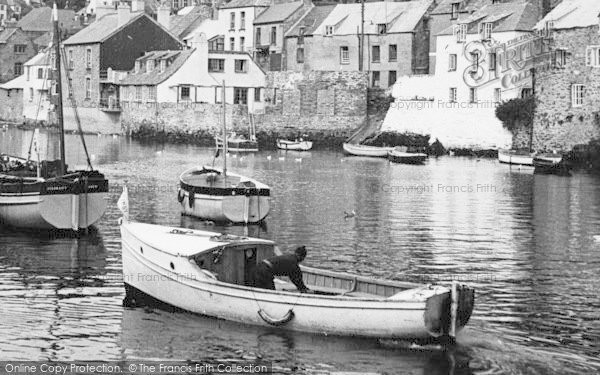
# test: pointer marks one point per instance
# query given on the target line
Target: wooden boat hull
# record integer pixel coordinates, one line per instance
(551, 165)
(235, 205)
(238, 145)
(419, 314)
(361, 150)
(407, 157)
(283, 144)
(50, 205)
(514, 158)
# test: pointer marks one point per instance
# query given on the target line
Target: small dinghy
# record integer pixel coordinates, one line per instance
(211, 274)
(516, 157)
(363, 150)
(551, 164)
(297, 145)
(237, 143)
(401, 155)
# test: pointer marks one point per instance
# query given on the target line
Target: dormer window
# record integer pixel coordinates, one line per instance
(381, 28)
(162, 65)
(301, 32)
(454, 11)
(149, 66)
(461, 32)
(485, 30)
(548, 28)
(329, 30)
(138, 66)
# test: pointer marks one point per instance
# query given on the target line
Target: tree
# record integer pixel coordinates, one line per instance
(516, 113)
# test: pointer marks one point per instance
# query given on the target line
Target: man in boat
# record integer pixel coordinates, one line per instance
(282, 265)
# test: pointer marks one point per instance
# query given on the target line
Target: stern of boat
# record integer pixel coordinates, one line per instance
(439, 312)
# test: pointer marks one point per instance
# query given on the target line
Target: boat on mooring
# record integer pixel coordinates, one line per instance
(44, 194)
(238, 143)
(210, 273)
(364, 150)
(401, 154)
(296, 145)
(516, 157)
(551, 163)
(215, 194)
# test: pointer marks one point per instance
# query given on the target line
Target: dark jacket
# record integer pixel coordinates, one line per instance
(287, 265)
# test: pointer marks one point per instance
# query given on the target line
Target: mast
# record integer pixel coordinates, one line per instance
(224, 132)
(59, 106)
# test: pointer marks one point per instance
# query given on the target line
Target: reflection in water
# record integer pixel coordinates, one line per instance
(525, 242)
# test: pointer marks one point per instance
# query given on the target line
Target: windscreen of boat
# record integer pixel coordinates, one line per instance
(205, 177)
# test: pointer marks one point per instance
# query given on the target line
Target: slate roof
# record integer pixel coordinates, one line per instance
(43, 40)
(505, 16)
(17, 83)
(400, 17)
(311, 20)
(41, 58)
(573, 13)
(245, 4)
(445, 7)
(278, 12)
(6, 34)
(154, 77)
(40, 19)
(182, 25)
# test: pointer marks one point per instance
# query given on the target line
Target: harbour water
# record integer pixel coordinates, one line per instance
(526, 243)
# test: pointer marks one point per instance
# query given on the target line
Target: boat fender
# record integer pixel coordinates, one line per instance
(276, 322)
(180, 195)
(191, 199)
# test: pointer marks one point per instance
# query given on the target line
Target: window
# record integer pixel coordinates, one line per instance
(375, 55)
(40, 73)
(88, 58)
(454, 11)
(301, 32)
(391, 77)
(31, 94)
(216, 65)
(241, 66)
(559, 58)
(71, 62)
(577, 94)
(257, 37)
(461, 32)
(273, 35)
(138, 93)
(473, 95)
(232, 21)
(393, 52)
(329, 30)
(27, 69)
(257, 94)
(375, 79)
(184, 93)
(151, 93)
(18, 69)
(548, 28)
(149, 65)
(162, 65)
(526, 93)
(493, 62)
(453, 95)
(497, 95)
(242, 42)
(218, 94)
(381, 28)
(485, 30)
(240, 95)
(232, 44)
(20, 48)
(592, 58)
(88, 88)
(300, 55)
(217, 44)
(474, 62)
(242, 20)
(452, 58)
(70, 87)
(344, 55)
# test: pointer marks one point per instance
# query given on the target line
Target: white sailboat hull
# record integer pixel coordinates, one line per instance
(235, 209)
(510, 157)
(362, 150)
(60, 211)
(171, 279)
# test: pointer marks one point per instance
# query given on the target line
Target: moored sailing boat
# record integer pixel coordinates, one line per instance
(45, 194)
(215, 194)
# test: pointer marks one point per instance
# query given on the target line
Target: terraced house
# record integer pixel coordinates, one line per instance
(95, 56)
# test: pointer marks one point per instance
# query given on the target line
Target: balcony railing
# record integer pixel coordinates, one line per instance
(110, 105)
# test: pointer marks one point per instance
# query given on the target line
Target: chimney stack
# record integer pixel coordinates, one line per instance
(122, 14)
(102, 10)
(163, 15)
(137, 6)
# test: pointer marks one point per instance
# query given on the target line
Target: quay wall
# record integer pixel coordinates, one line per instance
(456, 125)
(11, 105)
(325, 107)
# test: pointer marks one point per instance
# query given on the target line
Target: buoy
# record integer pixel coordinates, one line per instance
(298, 160)
(268, 157)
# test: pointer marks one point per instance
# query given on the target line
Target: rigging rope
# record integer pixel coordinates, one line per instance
(45, 79)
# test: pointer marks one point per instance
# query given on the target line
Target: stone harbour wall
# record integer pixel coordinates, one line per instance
(11, 105)
(558, 125)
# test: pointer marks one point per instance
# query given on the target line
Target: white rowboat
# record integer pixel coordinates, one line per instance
(210, 274)
(284, 144)
(362, 150)
(516, 157)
